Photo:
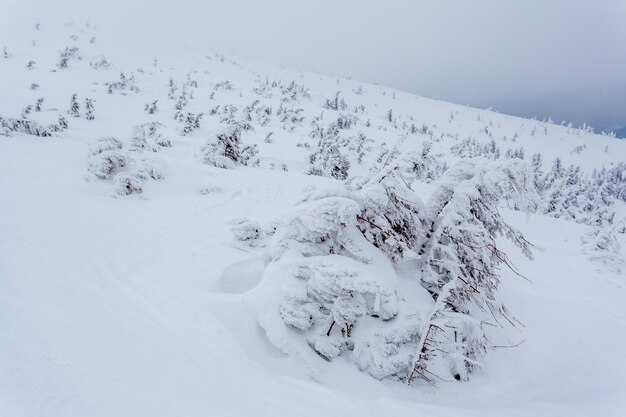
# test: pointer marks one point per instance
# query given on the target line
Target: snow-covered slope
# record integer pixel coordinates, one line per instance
(148, 305)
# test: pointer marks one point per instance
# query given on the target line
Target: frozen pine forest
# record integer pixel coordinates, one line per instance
(186, 233)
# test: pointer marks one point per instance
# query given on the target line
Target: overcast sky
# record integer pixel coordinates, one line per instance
(564, 59)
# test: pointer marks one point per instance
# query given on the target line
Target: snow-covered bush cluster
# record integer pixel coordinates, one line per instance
(471, 148)
(569, 193)
(333, 264)
(110, 159)
(26, 126)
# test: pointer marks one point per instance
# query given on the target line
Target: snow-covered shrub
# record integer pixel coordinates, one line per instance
(210, 189)
(422, 165)
(471, 148)
(74, 110)
(26, 111)
(360, 145)
(346, 121)
(226, 150)
(149, 171)
(614, 180)
(172, 90)
(39, 104)
(181, 103)
(102, 62)
(288, 92)
(124, 84)
(335, 103)
(601, 246)
(248, 231)
(152, 107)
(514, 153)
(89, 109)
(326, 160)
(147, 136)
(105, 158)
(127, 184)
(192, 122)
(66, 55)
(26, 126)
(328, 276)
(223, 85)
(290, 117)
(568, 193)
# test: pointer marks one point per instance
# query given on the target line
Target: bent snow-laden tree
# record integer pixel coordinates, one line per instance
(333, 282)
(460, 264)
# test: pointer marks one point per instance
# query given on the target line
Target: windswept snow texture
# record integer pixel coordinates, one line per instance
(134, 268)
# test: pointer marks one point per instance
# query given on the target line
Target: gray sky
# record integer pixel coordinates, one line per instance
(564, 59)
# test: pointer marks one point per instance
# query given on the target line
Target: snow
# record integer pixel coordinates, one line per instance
(147, 305)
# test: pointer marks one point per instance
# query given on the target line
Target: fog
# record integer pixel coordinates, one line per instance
(545, 58)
